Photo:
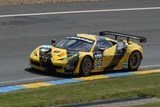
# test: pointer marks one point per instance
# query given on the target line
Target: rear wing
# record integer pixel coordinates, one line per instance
(128, 36)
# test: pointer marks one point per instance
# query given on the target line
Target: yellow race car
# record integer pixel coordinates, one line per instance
(86, 53)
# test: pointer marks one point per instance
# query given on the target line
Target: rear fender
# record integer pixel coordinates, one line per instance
(123, 64)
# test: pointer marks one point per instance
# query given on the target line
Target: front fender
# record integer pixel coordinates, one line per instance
(81, 56)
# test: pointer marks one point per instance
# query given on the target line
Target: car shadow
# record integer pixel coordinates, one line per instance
(50, 74)
(62, 75)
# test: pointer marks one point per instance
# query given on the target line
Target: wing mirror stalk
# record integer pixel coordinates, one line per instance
(53, 42)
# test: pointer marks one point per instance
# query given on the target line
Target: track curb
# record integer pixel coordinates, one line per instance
(11, 88)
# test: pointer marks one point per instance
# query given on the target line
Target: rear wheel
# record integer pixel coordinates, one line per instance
(134, 60)
(86, 66)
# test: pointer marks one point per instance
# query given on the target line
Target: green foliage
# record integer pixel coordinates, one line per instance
(105, 89)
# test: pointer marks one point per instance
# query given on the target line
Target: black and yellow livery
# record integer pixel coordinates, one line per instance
(86, 53)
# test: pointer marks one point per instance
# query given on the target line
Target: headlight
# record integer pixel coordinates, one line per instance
(70, 58)
(35, 53)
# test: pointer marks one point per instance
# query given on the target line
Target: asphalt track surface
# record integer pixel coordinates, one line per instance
(19, 35)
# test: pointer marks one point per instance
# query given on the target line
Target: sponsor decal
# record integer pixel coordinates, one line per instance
(83, 39)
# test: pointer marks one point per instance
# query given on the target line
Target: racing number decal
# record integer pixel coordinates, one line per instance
(98, 59)
(98, 62)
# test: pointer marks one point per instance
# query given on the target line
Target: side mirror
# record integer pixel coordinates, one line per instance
(53, 42)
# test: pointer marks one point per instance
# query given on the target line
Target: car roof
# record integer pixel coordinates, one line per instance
(87, 36)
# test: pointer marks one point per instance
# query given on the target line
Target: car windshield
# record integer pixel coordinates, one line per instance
(76, 44)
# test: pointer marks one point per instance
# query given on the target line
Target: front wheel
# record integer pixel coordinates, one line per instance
(86, 66)
(134, 60)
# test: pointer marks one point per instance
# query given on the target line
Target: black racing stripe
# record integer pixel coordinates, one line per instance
(116, 59)
(72, 64)
(45, 58)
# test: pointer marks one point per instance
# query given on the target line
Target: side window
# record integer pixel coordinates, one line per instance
(104, 43)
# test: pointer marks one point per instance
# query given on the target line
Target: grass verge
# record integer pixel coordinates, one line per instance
(105, 89)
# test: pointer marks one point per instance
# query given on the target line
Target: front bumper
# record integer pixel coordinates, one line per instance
(45, 61)
(54, 68)
(38, 65)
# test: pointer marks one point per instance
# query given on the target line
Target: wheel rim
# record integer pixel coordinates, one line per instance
(135, 60)
(87, 66)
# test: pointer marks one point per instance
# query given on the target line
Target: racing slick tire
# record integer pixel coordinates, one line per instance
(86, 66)
(134, 60)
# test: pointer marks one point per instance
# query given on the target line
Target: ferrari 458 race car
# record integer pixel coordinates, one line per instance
(86, 53)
